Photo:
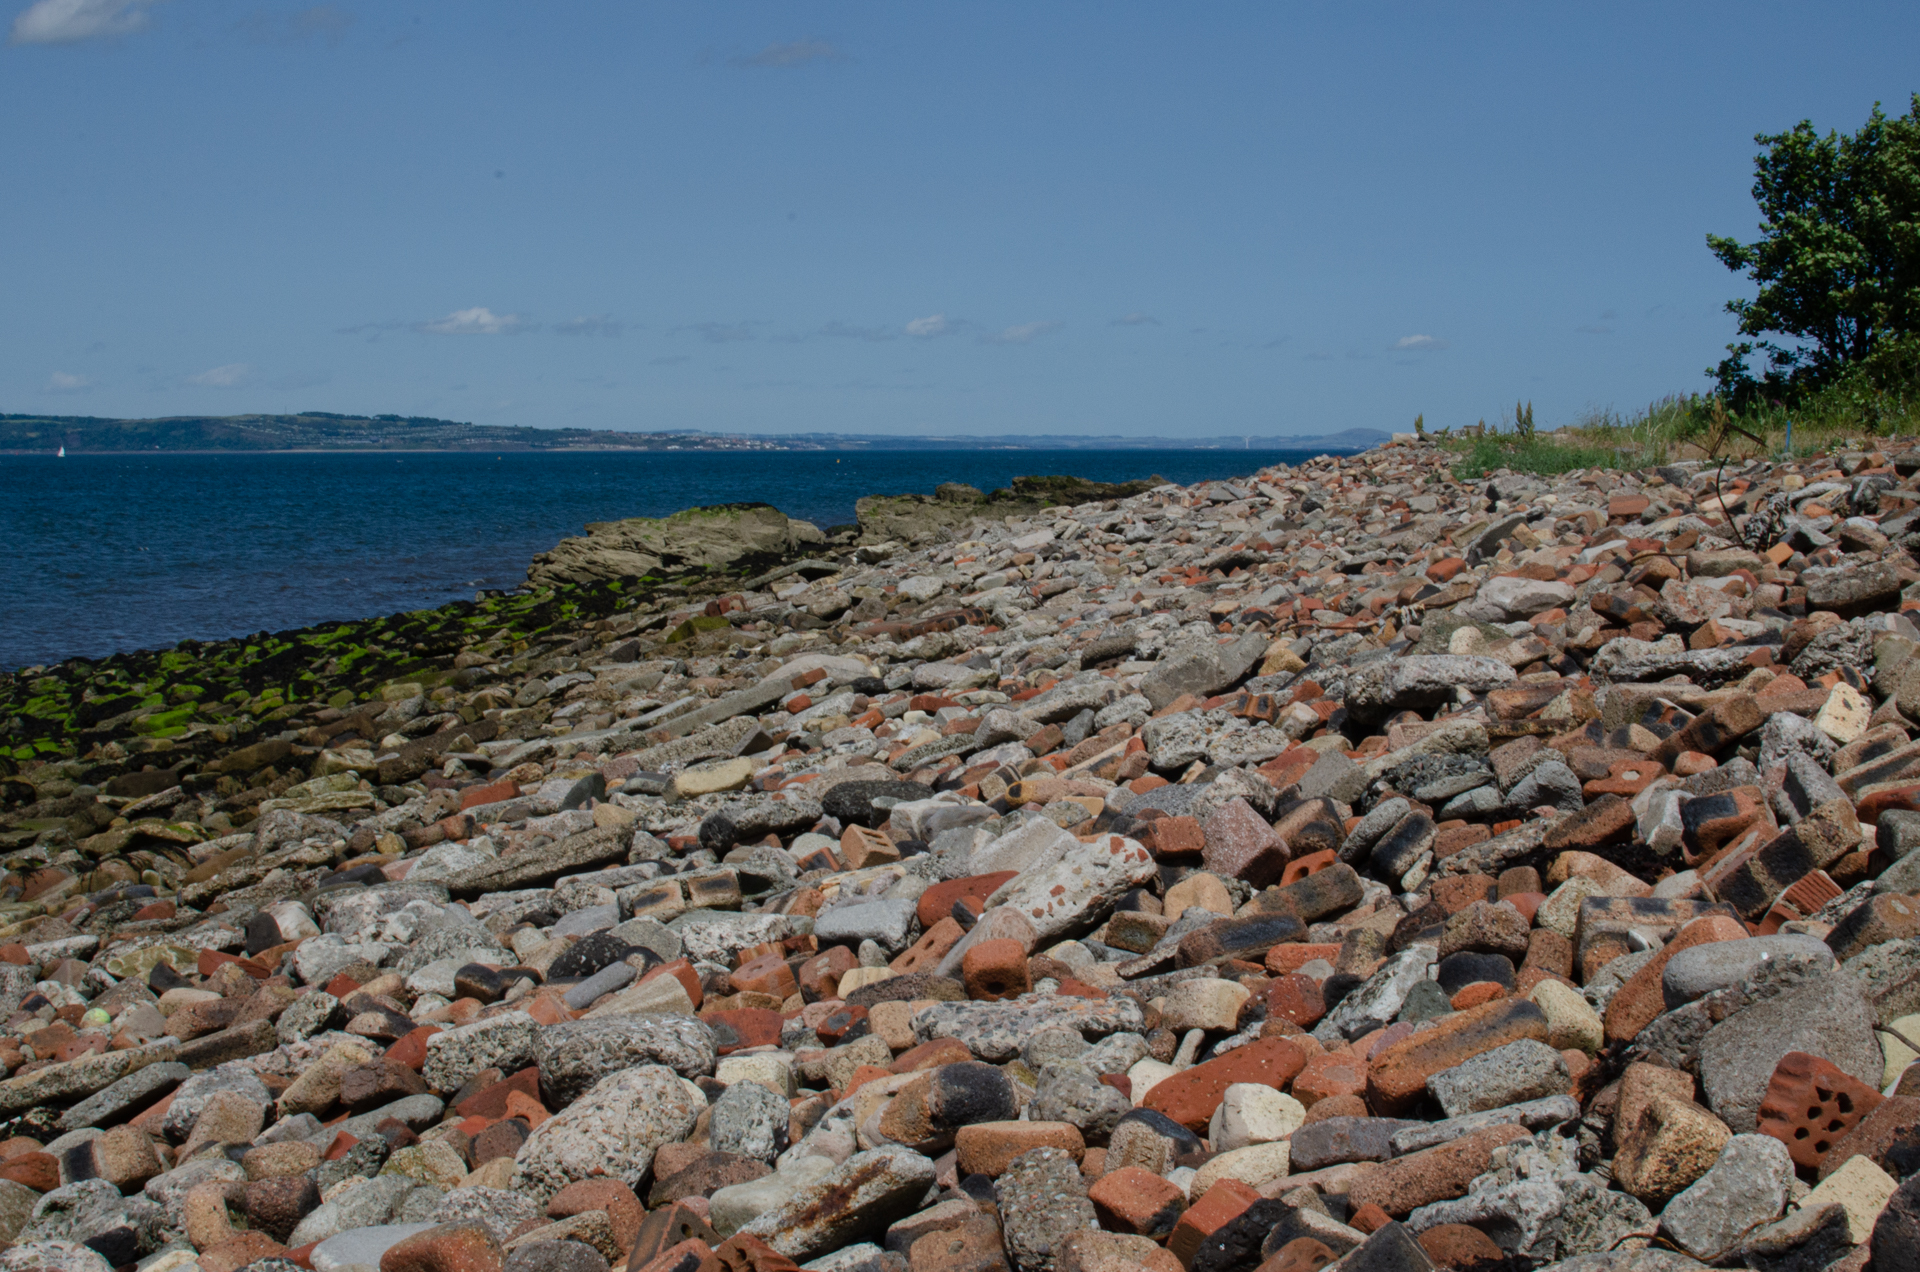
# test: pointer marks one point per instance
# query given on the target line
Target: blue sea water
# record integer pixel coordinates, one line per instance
(105, 553)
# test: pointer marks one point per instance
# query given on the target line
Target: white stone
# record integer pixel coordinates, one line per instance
(1250, 1113)
(1845, 714)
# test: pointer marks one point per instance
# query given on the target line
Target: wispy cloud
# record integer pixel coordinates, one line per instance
(592, 325)
(62, 382)
(930, 326)
(225, 377)
(783, 56)
(478, 321)
(1418, 344)
(1021, 334)
(71, 21)
(1135, 319)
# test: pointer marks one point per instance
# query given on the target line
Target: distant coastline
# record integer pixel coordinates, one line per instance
(318, 432)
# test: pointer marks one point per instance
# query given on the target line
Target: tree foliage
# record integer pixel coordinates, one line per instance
(1837, 264)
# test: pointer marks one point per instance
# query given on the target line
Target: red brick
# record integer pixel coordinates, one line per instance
(411, 1049)
(1223, 1203)
(1329, 1076)
(1404, 1184)
(1241, 845)
(1190, 1096)
(623, 1208)
(936, 903)
(1811, 1104)
(1398, 1073)
(1297, 998)
(491, 793)
(1135, 1200)
(993, 970)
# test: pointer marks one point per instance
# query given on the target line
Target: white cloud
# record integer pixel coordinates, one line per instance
(71, 21)
(1419, 344)
(1021, 334)
(61, 382)
(478, 321)
(221, 377)
(793, 53)
(931, 325)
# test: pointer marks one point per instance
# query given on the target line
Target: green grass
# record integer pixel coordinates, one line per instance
(1880, 398)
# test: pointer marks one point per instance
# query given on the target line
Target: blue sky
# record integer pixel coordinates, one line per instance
(893, 218)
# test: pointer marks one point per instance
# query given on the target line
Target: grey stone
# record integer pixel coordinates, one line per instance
(1200, 671)
(500, 1210)
(1510, 1074)
(1515, 1213)
(1787, 734)
(1384, 817)
(1807, 1240)
(139, 1088)
(467, 942)
(715, 936)
(556, 1256)
(1745, 1188)
(1043, 1201)
(306, 1016)
(502, 1042)
(1421, 682)
(651, 935)
(1554, 1110)
(610, 1131)
(361, 1246)
(52, 1256)
(1552, 784)
(1701, 969)
(1824, 1016)
(364, 1205)
(749, 1120)
(854, 1201)
(889, 923)
(1071, 1092)
(169, 1191)
(588, 919)
(1898, 833)
(190, 1100)
(16, 1208)
(995, 1032)
(1333, 1140)
(597, 986)
(417, 1111)
(1805, 785)
(1378, 1000)
(573, 1055)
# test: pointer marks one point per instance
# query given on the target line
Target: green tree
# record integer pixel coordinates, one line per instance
(1837, 264)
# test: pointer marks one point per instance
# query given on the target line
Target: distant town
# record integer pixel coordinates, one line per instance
(326, 431)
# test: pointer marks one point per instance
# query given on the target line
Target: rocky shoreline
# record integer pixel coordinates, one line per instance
(1347, 866)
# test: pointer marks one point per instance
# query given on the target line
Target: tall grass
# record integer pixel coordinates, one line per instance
(1879, 398)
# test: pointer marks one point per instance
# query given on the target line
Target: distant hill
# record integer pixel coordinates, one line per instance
(325, 431)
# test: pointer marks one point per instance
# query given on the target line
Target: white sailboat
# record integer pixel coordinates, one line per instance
(63, 453)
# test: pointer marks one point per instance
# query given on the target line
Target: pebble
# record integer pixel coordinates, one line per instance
(1571, 815)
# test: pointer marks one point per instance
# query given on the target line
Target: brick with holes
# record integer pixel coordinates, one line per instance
(1810, 1104)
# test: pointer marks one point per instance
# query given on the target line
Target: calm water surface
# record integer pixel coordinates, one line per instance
(115, 552)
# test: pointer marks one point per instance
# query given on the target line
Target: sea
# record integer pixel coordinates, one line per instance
(110, 553)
